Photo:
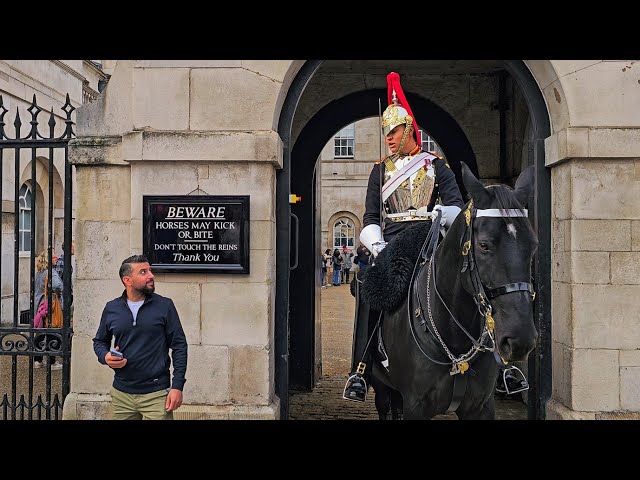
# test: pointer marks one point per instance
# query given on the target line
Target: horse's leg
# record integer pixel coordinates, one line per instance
(383, 399)
(396, 405)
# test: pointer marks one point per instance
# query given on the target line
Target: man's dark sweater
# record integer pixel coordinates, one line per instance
(145, 344)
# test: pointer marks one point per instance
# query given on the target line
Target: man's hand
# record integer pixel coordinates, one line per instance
(174, 400)
(449, 214)
(114, 361)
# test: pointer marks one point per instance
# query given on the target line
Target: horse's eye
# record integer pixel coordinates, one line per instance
(483, 246)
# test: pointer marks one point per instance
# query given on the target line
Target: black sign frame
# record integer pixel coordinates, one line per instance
(153, 207)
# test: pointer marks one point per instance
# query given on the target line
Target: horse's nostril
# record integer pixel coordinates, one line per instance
(505, 349)
(513, 349)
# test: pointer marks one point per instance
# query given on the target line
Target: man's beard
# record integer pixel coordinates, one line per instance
(148, 290)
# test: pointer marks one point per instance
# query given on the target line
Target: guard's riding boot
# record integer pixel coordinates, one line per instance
(357, 385)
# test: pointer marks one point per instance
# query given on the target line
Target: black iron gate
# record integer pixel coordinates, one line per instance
(32, 386)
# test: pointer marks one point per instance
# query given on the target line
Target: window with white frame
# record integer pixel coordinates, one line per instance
(25, 218)
(344, 142)
(429, 144)
(344, 233)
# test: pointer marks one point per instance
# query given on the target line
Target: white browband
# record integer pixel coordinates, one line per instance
(496, 212)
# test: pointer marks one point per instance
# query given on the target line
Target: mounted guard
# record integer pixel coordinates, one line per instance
(404, 188)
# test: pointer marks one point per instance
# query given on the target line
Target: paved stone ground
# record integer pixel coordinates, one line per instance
(325, 402)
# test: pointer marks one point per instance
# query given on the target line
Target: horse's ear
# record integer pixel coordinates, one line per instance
(475, 188)
(524, 185)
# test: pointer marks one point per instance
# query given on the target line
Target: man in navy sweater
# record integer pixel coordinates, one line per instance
(144, 326)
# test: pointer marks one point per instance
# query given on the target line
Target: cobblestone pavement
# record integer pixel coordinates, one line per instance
(325, 402)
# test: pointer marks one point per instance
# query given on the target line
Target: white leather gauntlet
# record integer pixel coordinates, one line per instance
(378, 247)
(371, 237)
(449, 214)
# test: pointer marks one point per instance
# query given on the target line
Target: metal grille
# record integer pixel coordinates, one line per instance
(31, 387)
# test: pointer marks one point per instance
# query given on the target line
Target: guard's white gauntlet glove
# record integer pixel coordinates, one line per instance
(371, 237)
(449, 214)
(378, 247)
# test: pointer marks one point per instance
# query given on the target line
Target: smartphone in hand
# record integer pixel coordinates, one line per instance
(115, 353)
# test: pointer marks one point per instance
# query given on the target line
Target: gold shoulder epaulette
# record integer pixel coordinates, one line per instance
(440, 157)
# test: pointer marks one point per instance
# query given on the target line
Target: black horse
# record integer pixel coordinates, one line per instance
(466, 313)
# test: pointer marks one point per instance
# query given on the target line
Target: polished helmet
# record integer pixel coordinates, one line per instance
(398, 112)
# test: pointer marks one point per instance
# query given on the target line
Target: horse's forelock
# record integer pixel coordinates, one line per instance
(504, 199)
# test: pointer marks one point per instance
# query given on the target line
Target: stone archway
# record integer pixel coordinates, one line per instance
(294, 126)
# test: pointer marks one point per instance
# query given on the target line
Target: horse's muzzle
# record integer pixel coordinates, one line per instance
(514, 349)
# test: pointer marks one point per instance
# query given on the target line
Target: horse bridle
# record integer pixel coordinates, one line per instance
(469, 260)
(481, 295)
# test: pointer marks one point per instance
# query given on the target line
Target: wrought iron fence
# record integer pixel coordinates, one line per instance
(32, 386)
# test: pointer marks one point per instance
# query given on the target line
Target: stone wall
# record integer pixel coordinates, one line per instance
(172, 128)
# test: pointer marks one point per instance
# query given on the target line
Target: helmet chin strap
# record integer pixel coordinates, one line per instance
(403, 140)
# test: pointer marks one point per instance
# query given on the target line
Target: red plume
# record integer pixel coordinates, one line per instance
(393, 83)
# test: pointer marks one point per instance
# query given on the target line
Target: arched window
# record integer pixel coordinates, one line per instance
(25, 218)
(344, 233)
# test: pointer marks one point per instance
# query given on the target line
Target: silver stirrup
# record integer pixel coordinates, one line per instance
(348, 384)
(523, 382)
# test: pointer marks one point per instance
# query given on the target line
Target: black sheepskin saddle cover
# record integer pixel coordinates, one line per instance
(385, 283)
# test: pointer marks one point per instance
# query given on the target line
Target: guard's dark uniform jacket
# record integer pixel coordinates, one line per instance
(445, 186)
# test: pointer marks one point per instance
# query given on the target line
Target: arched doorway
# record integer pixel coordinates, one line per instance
(304, 136)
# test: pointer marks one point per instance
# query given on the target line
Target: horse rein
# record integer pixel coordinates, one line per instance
(481, 295)
(427, 251)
